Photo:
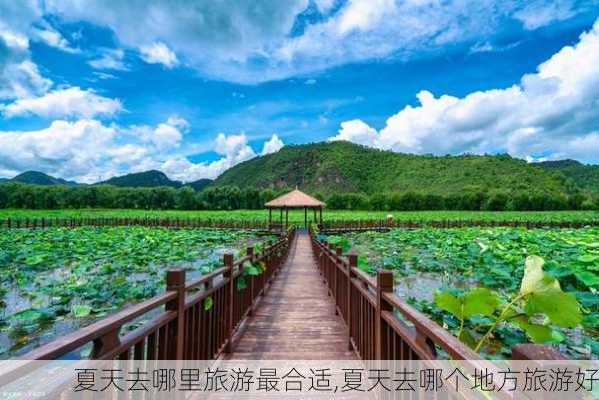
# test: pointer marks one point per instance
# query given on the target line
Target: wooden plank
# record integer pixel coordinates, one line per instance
(296, 319)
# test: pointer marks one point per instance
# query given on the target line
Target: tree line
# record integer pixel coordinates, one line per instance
(18, 195)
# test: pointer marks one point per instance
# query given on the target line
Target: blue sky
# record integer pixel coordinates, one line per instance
(94, 89)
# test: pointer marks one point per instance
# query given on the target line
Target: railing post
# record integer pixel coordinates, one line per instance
(250, 253)
(384, 284)
(175, 281)
(228, 274)
(335, 289)
(323, 267)
(352, 263)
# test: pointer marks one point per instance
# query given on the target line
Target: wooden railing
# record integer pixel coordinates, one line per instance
(340, 226)
(382, 326)
(262, 224)
(44, 222)
(193, 320)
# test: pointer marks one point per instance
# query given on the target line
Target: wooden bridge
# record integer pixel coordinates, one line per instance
(310, 302)
(297, 318)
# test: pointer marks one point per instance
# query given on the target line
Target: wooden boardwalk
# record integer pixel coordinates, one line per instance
(296, 319)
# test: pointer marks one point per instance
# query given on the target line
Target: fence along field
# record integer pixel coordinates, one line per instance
(253, 219)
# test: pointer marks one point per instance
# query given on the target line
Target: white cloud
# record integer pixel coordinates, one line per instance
(19, 76)
(251, 42)
(109, 59)
(54, 39)
(165, 136)
(66, 149)
(69, 102)
(357, 131)
(159, 53)
(273, 145)
(325, 6)
(89, 151)
(552, 113)
(538, 13)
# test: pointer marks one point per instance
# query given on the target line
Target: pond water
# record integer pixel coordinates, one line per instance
(425, 261)
(86, 274)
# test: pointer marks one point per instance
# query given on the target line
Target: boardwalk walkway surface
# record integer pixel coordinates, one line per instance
(296, 319)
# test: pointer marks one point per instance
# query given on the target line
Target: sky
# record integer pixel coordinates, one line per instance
(94, 89)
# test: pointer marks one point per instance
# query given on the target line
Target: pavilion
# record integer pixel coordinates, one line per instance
(296, 199)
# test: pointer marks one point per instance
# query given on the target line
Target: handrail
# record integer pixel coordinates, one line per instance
(91, 332)
(383, 326)
(164, 336)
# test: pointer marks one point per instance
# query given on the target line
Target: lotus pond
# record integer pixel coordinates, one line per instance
(56, 280)
(495, 287)
(298, 215)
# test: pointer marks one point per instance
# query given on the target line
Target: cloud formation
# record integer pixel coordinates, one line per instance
(109, 59)
(61, 103)
(159, 53)
(250, 42)
(88, 150)
(553, 113)
(272, 146)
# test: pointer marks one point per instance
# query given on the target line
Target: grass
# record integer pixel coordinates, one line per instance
(298, 215)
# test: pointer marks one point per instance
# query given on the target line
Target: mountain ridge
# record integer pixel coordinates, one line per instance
(40, 178)
(343, 167)
(151, 178)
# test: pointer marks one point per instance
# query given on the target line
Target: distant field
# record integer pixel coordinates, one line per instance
(298, 215)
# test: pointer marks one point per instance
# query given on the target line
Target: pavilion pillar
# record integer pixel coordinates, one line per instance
(281, 219)
(306, 217)
(269, 218)
(315, 219)
(286, 218)
(320, 215)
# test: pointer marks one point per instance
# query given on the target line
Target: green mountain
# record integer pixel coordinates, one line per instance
(584, 176)
(151, 178)
(337, 167)
(200, 184)
(39, 178)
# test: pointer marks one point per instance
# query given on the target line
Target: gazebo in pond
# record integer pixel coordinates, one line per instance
(296, 199)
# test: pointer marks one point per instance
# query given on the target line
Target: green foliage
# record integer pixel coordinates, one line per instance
(297, 216)
(374, 179)
(583, 176)
(540, 294)
(142, 179)
(551, 303)
(337, 168)
(62, 278)
(208, 303)
(81, 310)
(39, 178)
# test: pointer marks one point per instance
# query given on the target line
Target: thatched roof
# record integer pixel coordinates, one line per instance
(294, 199)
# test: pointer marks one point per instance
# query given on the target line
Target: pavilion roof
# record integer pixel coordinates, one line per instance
(295, 199)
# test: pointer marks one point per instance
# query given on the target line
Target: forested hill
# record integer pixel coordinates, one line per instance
(335, 167)
(584, 176)
(39, 178)
(142, 179)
